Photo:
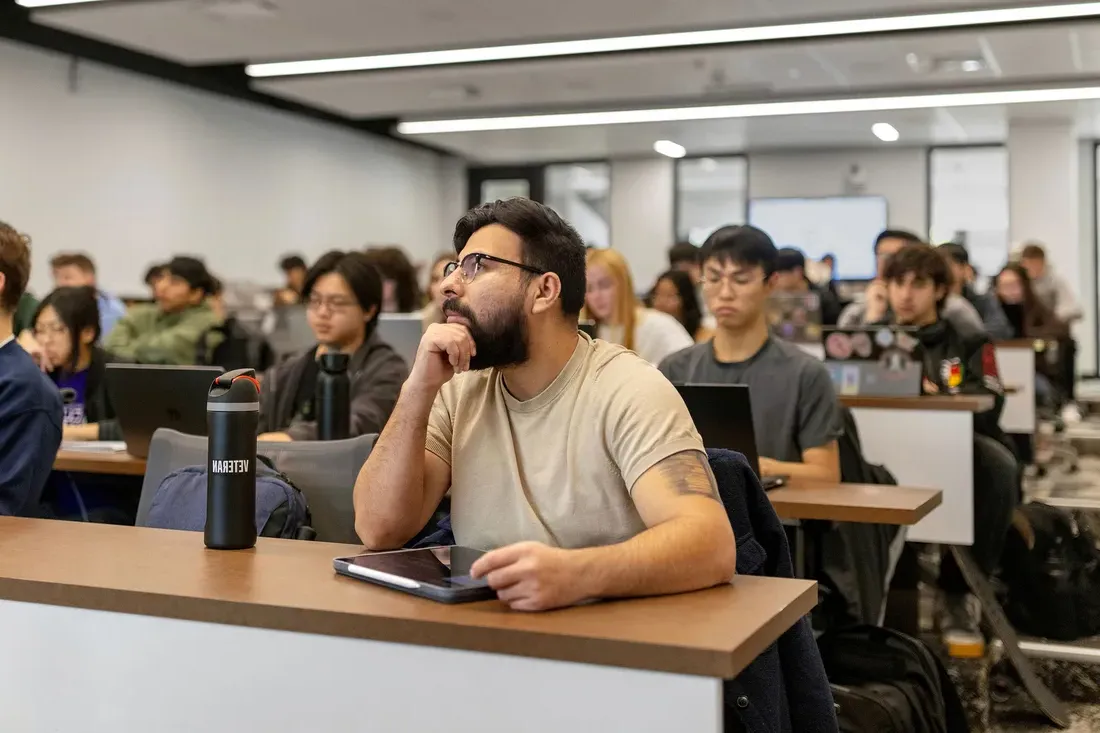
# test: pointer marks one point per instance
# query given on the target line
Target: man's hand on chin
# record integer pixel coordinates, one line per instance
(531, 576)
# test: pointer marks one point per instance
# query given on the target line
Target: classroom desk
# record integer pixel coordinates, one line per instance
(926, 441)
(1016, 364)
(115, 464)
(177, 637)
(821, 500)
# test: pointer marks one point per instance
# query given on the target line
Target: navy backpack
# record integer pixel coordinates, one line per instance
(281, 508)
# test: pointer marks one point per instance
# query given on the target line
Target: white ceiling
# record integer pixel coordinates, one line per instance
(201, 32)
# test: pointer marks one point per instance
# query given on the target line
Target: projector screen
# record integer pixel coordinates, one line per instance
(844, 226)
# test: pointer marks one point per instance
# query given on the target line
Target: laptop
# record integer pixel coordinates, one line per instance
(402, 331)
(795, 317)
(151, 396)
(723, 416)
(874, 361)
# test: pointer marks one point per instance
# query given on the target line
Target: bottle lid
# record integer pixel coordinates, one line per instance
(334, 362)
(236, 391)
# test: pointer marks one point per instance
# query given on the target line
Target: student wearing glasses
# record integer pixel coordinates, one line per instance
(795, 411)
(343, 296)
(621, 318)
(571, 460)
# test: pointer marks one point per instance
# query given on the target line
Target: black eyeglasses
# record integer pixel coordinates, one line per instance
(471, 265)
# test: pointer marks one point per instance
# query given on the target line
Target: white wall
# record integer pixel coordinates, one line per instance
(133, 170)
(642, 194)
(900, 175)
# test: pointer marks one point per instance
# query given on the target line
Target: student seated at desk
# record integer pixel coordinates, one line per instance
(987, 305)
(168, 331)
(790, 277)
(30, 407)
(572, 460)
(958, 361)
(620, 317)
(675, 294)
(76, 269)
(343, 295)
(796, 415)
(66, 326)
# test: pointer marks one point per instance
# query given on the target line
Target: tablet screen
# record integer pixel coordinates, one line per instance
(446, 567)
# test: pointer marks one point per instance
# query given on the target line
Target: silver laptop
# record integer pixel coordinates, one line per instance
(402, 331)
(874, 361)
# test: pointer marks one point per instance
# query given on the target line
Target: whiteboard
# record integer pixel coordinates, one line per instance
(844, 226)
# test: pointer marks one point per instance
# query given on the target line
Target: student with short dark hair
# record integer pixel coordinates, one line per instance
(76, 269)
(169, 331)
(684, 256)
(343, 297)
(790, 277)
(66, 325)
(1050, 287)
(959, 361)
(571, 460)
(796, 414)
(30, 407)
(294, 270)
(964, 275)
(153, 276)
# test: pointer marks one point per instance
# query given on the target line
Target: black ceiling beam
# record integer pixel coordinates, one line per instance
(16, 24)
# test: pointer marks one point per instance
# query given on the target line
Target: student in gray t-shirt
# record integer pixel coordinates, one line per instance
(795, 411)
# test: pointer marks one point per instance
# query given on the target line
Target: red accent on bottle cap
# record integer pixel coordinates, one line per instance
(251, 379)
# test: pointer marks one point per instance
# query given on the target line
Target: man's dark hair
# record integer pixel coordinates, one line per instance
(683, 252)
(924, 262)
(361, 276)
(549, 242)
(78, 309)
(154, 273)
(955, 252)
(789, 259)
(393, 264)
(1033, 251)
(902, 234)
(193, 271)
(292, 262)
(73, 259)
(15, 266)
(742, 245)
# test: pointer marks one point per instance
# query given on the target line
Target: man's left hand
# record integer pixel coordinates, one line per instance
(530, 576)
(769, 467)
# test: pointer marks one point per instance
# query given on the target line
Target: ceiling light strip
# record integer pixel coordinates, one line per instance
(762, 109)
(685, 39)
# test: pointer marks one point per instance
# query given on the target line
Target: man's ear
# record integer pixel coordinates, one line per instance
(370, 313)
(941, 293)
(547, 292)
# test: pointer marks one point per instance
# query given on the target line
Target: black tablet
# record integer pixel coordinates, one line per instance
(439, 573)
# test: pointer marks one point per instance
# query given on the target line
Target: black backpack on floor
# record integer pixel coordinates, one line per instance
(887, 682)
(1050, 570)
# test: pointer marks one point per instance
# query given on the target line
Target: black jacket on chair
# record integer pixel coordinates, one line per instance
(784, 690)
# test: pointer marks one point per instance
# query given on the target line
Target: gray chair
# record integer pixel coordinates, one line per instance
(325, 471)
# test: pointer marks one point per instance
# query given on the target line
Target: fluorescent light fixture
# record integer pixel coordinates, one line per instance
(49, 3)
(669, 148)
(885, 132)
(760, 109)
(683, 39)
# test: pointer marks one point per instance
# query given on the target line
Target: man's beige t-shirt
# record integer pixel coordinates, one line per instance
(557, 468)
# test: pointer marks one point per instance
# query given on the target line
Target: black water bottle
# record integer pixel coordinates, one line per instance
(333, 397)
(232, 416)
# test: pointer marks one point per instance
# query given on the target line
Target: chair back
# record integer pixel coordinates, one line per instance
(325, 471)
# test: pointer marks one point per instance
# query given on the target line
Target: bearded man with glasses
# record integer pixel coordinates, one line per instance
(343, 295)
(571, 460)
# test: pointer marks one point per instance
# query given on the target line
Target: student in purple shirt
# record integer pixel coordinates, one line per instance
(66, 326)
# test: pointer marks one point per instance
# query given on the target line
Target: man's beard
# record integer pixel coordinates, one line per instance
(500, 343)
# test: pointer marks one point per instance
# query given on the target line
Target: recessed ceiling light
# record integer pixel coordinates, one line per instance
(885, 132)
(683, 39)
(669, 148)
(759, 109)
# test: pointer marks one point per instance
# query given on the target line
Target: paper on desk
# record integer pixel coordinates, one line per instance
(94, 446)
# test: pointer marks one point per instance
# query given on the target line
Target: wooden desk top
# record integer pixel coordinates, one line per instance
(898, 505)
(115, 464)
(290, 585)
(1028, 344)
(945, 403)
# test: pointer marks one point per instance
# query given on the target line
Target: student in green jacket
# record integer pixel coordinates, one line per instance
(168, 332)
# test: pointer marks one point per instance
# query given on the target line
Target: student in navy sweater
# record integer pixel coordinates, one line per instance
(30, 407)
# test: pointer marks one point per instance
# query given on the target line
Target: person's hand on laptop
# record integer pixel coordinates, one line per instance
(769, 467)
(929, 387)
(531, 576)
